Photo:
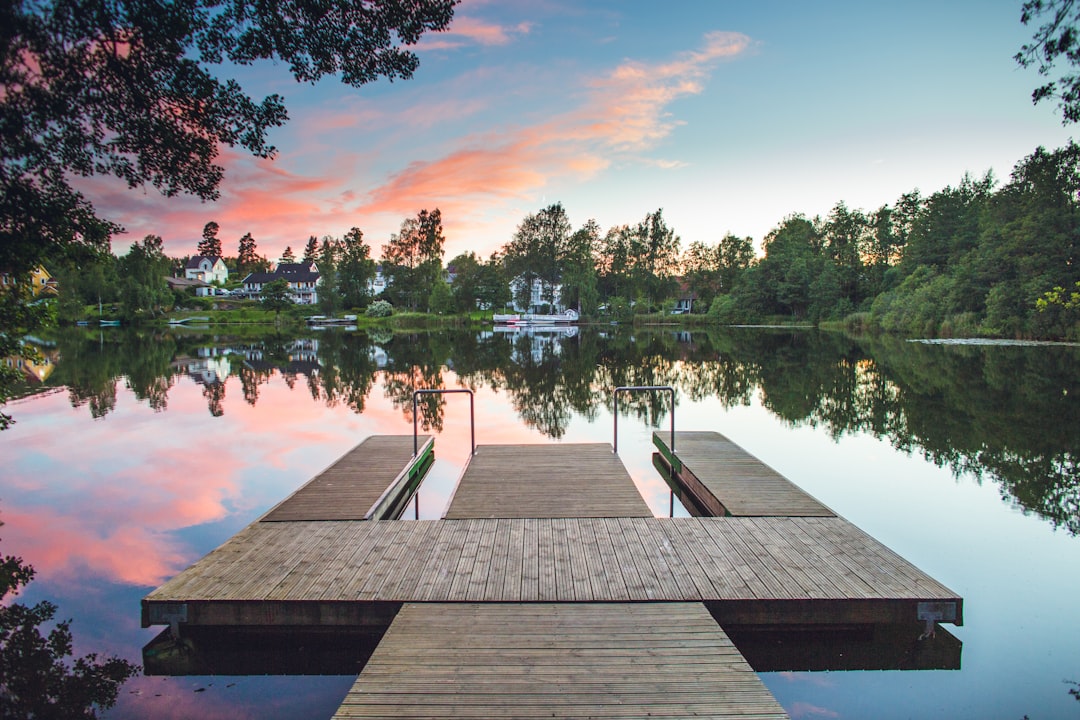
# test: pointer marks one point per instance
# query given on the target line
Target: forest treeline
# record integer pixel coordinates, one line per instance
(975, 259)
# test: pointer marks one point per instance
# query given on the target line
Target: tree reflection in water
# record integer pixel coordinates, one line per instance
(1004, 413)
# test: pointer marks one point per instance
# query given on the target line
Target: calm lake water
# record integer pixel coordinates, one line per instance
(139, 453)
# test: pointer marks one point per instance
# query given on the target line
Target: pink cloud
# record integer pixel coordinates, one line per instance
(479, 180)
(471, 31)
(806, 710)
(59, 545)
(624, 113)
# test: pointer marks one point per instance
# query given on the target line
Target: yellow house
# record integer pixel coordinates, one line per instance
(41, 282)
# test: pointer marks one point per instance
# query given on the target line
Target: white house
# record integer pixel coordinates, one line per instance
(302, 278)
(537, 295)
(206, 268)
(378, 283)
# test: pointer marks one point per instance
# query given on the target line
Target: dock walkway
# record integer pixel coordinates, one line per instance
(363, 484)
(723, 479)
(549, 590)
(551, 660)
(546, 481)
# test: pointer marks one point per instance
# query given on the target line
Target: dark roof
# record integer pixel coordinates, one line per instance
(185, 282)
(194, 260)
(290, 272)
(290, 269)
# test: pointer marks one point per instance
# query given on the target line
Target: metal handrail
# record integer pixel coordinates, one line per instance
(622, 388)
(415, 416)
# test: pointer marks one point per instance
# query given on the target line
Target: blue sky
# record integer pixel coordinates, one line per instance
(728, 115)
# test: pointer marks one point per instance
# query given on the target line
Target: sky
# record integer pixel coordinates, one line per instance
(728, 116)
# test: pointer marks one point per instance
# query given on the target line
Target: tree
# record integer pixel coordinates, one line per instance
(287, 256)
(143, 291)
(36, 678)
(654, 256)
(246, 258)
(884, 247)
(794, 257)
(1057, 37)
(579, 281)
(735, 255)
(412, 260)
(536, 252)
(613, 261)
(128, 89)
(210, 245)
(847, 240)
(329, 291)
(478, 284)
(355, 270)
(466, 268)
(311, 250)
(701, 271)
(276, 297)
(441, 299)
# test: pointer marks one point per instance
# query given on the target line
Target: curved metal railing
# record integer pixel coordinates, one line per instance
(415, 415)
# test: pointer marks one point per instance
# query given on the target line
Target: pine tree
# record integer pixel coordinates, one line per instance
(311, 250)
(246, 257)
(210, 245)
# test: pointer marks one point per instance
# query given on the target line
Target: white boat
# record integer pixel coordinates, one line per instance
(564, 318)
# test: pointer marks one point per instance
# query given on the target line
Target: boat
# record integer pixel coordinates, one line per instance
(323, 321)
(566, 317)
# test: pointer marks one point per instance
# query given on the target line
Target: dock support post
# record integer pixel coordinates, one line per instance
(636, 388)
(442, 391)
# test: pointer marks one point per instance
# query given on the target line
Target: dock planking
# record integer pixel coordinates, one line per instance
(777, 570)
(491, 660)
(546, 481)
(550, 590)
(724, 479)
(365, 483)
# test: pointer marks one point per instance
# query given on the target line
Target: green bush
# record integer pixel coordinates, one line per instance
(379, 309)
(858, 323)
(961, 325)
(722, 309)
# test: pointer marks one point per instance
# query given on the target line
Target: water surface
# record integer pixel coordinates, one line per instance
(139, 453)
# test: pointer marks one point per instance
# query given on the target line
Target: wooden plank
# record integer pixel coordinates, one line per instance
(354, 483)
(546, 481)
(724, 479)
(557, 660)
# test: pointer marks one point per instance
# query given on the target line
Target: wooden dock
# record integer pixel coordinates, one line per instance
(551, 660)
(545, 481)
(369, 482)
(748, 570)
(548, 590)
(723, 479)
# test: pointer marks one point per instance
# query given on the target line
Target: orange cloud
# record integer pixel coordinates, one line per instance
(624, 113)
